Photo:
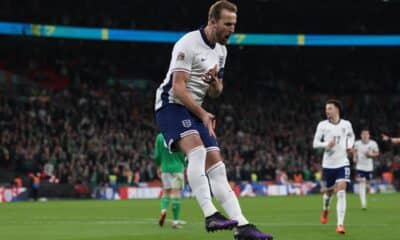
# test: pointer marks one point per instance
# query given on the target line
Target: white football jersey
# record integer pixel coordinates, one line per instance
(193, 54)
(343, 134)
(365, 163)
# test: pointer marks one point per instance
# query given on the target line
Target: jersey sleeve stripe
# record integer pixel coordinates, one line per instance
(180, 69)
(165, 92)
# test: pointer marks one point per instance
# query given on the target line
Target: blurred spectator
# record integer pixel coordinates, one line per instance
(35, 185)
(17, 181)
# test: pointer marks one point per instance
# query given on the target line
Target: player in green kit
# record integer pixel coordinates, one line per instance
(172, 166)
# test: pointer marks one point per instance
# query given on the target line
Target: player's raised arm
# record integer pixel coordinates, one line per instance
(386, 138)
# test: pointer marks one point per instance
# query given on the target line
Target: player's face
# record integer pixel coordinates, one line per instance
(331, 111)
(365, 136)
(225, 26)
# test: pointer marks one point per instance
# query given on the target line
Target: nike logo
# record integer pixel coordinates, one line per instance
(203, 59)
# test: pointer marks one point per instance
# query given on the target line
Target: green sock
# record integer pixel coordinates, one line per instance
(176, 208)
(164, 203)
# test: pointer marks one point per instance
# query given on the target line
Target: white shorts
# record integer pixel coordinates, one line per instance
(172, 180)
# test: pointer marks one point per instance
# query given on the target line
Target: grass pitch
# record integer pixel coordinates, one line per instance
(294, 217)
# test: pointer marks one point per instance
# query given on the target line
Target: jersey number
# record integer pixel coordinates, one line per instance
(347, 172)
(337, 139)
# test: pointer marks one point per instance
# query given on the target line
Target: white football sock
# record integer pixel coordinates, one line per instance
(198, 180)
(341, 206)
(326, 201)
(224, 194)
(363, 194)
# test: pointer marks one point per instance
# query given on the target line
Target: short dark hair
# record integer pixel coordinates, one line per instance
(365, 129)
(217, 7)
(336, 103)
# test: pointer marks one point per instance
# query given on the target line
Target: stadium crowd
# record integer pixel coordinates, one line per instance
(80, 112)
(89, 133)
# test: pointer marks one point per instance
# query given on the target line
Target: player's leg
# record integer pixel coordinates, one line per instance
(327, 188)
(362, 189)
(178, 128)
(199, 183)
(224, 194)
(326, 202)
(368, 178)
(222, 190)
(327, 199)
(343, 176)
(341, 205)
(176, 207)
(196, 153)
(165, 200)
(176, 199)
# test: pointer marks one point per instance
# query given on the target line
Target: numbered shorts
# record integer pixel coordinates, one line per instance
(330, 176)
(176, 122)
(172, 180)
(364, 174)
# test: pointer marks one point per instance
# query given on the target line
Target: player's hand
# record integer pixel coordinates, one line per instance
(209, 121)
(331, 144)
(371, 154)
(211, 76)
(385, 137)
(350, 150)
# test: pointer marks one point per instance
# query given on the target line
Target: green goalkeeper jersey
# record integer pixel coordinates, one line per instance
(168, 162)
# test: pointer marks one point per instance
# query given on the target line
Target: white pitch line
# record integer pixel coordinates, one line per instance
(151, 221)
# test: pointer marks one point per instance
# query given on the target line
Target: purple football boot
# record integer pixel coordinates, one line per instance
(218, 222)
(250, 232)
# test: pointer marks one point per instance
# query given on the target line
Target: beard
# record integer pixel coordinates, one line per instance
(223, 38)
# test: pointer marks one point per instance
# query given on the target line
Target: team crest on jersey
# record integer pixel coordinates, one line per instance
(221, 61)
(186, 123)
(181, 56)
(343, 130)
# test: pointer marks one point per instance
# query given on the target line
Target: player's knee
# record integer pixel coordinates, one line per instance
(167, 192)
(176, 193)
(329, 191)
(340, 186)
(213, 160)
(341, 193)
(217, 168)
(197, 152)
(189, 143)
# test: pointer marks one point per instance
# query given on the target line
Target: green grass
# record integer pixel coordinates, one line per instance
(287, 218)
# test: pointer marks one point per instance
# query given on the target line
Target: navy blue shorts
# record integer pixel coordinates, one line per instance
(332, 175)
(176, 122)
(364, 174)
